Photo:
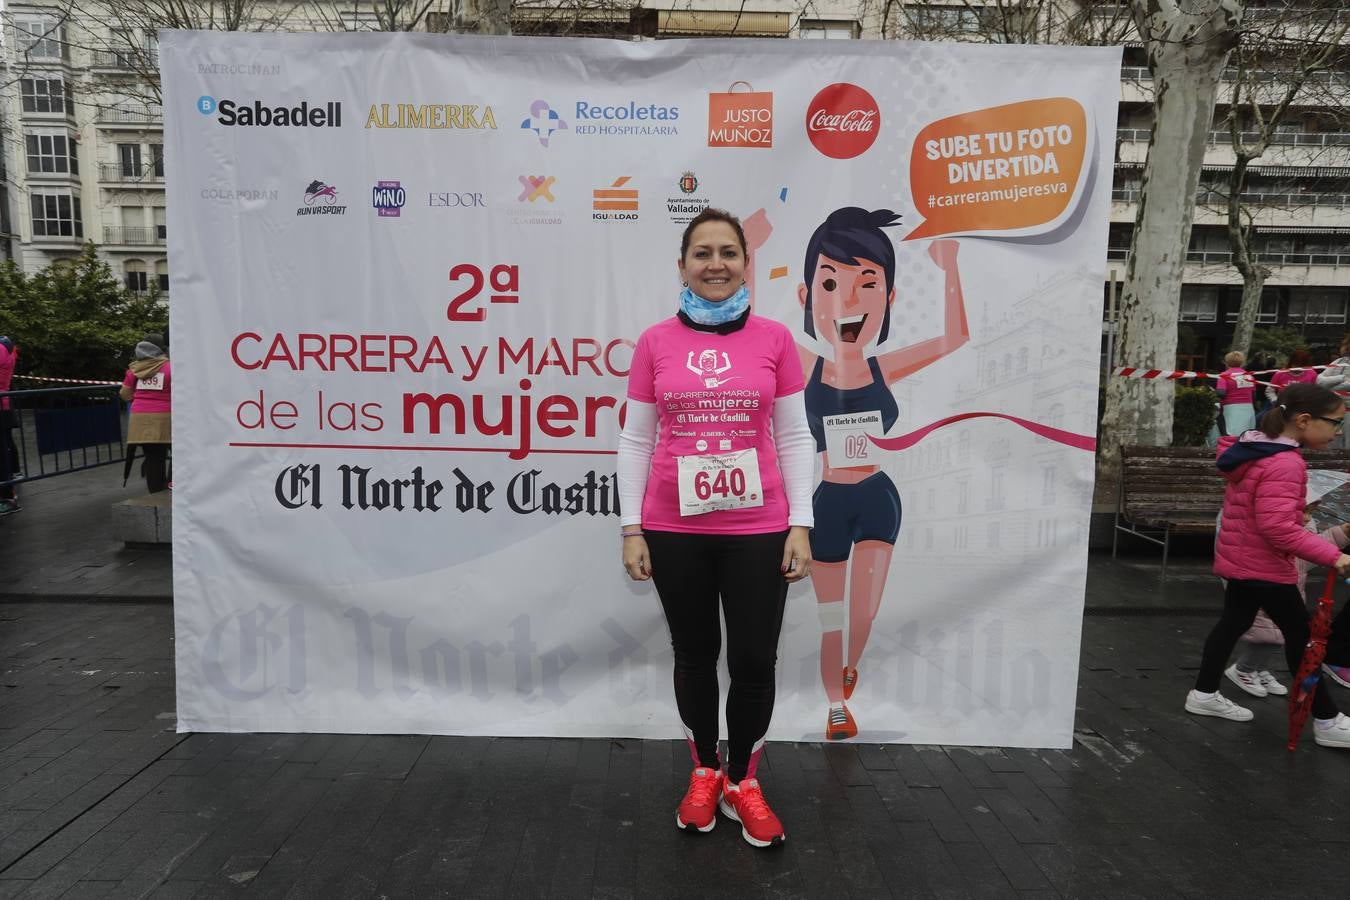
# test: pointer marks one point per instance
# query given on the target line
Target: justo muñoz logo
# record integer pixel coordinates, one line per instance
(843, 121)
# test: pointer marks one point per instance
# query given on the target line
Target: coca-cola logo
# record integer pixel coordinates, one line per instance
(843, 121)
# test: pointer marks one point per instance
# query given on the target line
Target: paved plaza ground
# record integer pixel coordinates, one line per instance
(99, 796)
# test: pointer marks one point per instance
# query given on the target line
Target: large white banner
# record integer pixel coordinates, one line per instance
(408, 272)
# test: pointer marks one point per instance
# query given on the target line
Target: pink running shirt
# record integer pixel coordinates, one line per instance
(714, 393)
(152, 401)
(1236, 385)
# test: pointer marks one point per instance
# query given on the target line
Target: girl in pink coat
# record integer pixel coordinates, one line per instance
(1262, 536)
(1259, 645)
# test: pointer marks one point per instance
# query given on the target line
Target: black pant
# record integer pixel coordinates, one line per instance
(1284, 604)
(1338, 644)
(155, 456)
(691, 571)
(9, 453)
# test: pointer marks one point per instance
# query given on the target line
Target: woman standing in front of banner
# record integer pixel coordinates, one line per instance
(846, 296)
(149, 386)
(715, 469)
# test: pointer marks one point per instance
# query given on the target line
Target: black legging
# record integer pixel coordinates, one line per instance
(1284, 604)
(9, 453)
(156, 477)
(1338, 645)
(691, 571)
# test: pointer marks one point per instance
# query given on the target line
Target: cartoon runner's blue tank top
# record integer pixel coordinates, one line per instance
(822, 400)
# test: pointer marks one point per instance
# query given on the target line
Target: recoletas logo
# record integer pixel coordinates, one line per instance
(257, 114)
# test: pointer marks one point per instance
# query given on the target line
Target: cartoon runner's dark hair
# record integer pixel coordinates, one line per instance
(850, 235)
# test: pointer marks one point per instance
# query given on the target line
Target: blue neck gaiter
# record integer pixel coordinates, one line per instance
(709, 312)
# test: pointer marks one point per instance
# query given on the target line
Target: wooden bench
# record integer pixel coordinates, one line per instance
(1179, 490)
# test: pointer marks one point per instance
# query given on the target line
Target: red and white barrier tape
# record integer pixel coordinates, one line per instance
(1133, 372)
(69, 380)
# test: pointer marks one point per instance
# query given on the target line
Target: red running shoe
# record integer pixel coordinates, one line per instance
(839, 725)
(850, 682)
(698, 809)
(744, 802)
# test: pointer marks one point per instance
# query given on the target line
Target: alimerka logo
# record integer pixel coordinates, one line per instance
(469, 117)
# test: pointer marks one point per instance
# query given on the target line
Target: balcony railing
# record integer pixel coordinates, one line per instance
(1251, 198)
(128, 117)
(1230, 74)
(140, 235)
(125, 60)
(1225, 257)
(1283, 138)
(114, 172)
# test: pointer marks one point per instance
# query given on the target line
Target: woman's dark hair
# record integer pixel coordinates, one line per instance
(1300, 358)
(1295, 400)
(1345, 345)
(852, 235)
(712, 214)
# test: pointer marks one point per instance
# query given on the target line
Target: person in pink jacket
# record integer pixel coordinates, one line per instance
(1297, 373)
(1256, 648)
(9, 454)
(1236, 387)
(1262, 535)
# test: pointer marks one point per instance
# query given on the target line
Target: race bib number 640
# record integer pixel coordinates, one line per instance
(719, 481)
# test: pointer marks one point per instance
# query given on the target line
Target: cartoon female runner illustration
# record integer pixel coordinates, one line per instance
(708, 369)
(846, 295)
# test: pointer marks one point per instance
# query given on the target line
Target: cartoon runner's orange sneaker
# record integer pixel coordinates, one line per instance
(840, 725)
(698, 809)
(850, 682)
(745, 803)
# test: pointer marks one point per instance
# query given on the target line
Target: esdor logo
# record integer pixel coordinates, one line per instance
(843, 121)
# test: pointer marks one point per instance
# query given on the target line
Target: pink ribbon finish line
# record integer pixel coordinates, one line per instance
(1059, 435)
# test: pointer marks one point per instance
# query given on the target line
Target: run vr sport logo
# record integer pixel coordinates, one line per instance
(256, 114)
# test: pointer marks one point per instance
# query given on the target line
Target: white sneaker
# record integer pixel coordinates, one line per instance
(1218, 706)
(1273, 687)
(1248, 681)
(1338, 735)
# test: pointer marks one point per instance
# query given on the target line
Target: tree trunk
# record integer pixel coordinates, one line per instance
(495, 17)
(1253, 283)
(1186, 54)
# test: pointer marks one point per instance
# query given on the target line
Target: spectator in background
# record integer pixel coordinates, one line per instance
(9, 454)
(1235, 388)
(1336, 377)
(1296, 373)
(148, 385)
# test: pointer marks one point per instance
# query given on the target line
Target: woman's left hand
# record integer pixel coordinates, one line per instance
(797, 554)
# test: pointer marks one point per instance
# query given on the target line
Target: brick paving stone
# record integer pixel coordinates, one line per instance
(100, 797)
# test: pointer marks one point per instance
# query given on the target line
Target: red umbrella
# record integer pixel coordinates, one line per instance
(1310, 669)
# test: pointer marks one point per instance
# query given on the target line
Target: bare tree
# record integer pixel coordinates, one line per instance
(1273, 66)
(1187, 43)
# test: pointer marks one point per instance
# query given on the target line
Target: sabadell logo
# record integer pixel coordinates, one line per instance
(256, 114)
(843, 121)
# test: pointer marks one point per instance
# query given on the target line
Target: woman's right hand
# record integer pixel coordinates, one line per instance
(637, 559)
(1343, 565)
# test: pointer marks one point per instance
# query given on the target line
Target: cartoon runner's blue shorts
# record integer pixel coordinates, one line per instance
(849, 513)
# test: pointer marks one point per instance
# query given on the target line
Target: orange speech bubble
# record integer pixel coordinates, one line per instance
(1011, 168)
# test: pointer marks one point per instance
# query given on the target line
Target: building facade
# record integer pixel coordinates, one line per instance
(84, 154)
